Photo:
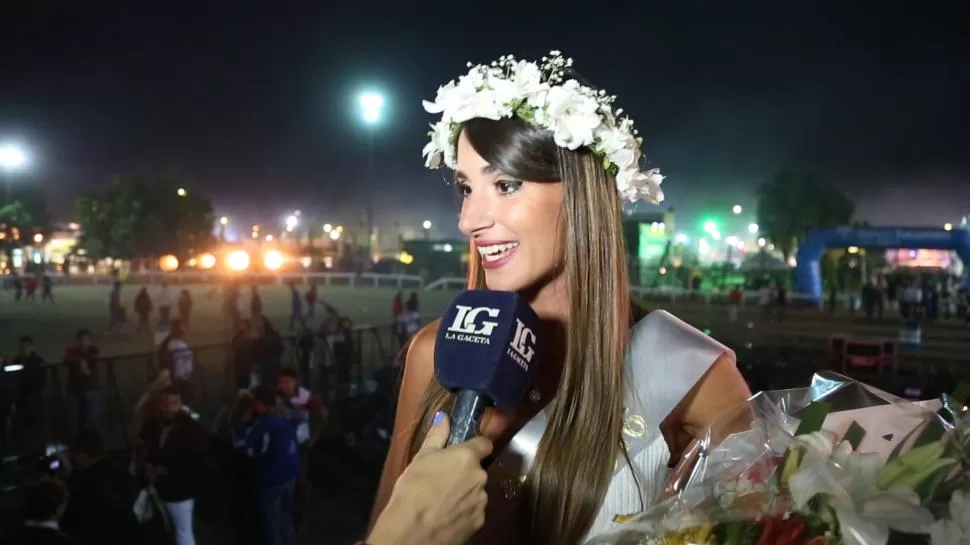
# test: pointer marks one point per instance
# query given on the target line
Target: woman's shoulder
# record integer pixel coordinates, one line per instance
(666, 358)
(665, 336)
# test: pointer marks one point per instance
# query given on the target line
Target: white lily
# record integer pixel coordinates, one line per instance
(956, 529)
(846, 482)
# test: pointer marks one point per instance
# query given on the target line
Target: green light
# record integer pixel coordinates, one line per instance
(710, 227)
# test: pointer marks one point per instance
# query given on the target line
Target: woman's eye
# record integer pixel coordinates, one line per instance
(507, 187)
(462, 189)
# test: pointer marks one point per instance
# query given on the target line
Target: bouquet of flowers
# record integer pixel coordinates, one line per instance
(836, 463)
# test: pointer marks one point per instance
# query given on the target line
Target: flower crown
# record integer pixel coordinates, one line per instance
(546, 95)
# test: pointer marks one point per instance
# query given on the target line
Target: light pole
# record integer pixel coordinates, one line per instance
(12, 158)
(372, 106)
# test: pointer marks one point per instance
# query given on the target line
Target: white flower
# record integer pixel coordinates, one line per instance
(865, 512)
(818, 440)
(529, 78)
(575, 115)
(505, 93)
(619, 146)
(543, 95)
(956, 529)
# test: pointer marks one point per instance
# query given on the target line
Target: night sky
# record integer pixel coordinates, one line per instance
(257, 105)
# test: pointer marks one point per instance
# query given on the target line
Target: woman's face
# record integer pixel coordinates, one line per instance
(514, 225)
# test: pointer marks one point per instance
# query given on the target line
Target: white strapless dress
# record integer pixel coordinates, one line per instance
(665, 359)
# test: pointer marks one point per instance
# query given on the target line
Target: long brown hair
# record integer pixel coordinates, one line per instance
(576, 456)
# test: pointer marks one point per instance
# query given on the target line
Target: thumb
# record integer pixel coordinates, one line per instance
(438, 433)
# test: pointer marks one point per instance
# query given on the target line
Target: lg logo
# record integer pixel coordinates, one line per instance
(524, 341)
(466, 318)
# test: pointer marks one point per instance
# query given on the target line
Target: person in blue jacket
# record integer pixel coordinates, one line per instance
(271, 442)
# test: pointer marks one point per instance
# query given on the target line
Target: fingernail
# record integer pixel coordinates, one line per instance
(438, 417)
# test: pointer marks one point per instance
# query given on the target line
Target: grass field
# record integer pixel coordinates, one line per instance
(53, 325)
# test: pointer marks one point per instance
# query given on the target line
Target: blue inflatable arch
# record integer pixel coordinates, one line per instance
(808, 278)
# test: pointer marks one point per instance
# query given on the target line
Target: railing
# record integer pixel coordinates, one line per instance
(124, 379)
(398, 281)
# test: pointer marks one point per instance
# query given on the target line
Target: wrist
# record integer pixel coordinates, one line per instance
(387, 532)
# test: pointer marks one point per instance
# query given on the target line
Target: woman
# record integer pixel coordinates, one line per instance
(541, 162)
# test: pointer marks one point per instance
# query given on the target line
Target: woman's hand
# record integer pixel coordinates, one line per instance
(440, 498)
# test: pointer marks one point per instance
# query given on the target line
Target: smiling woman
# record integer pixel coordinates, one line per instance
(542, 165)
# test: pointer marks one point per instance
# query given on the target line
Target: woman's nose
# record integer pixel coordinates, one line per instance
(476, 215)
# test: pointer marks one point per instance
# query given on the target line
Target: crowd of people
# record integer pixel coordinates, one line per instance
(276, 422)
(89, 497)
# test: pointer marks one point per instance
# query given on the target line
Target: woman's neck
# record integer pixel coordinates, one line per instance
(550, 301)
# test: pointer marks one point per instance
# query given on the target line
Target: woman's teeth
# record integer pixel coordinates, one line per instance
(495, 252)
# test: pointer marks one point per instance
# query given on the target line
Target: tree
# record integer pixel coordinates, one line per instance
(794, 202)
(25, 214)
(139, 216)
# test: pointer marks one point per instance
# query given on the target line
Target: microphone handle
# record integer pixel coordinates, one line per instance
(466, 416)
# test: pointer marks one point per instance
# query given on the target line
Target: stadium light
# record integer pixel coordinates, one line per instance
(753, 228)
(371, 105)
(168, 263)
(224, 220)
(371, 112)
(13, 157)
(238, 260)
(273, 260)
(181, 192)
(737, 209)
(207, 261)
(948, 226)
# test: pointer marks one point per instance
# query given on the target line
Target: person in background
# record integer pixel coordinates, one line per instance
(185, 307)
(82, 380)
(244, 511)
(272, 443)
(143, 309)
(307, 343)
(164, 302)
(781, 302)
(102, 495)
(243, 347)
(296, 308)
(174, 459)
(18, 286)
(268, 353)
(176, 355)
(298, 404)
(230, 306)
(146, 408)
(116, 311)
(31, 288)
(311, 300)
(44, 505)
(46, 289)
(342, 349)
(255, 303)
(735, 299)
(30, 384)
(397, 317)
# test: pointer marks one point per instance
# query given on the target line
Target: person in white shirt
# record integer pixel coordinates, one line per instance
(177, 357)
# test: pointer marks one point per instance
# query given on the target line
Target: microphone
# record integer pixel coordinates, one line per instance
(484, 352)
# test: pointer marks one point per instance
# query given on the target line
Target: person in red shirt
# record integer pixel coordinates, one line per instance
(82, 380)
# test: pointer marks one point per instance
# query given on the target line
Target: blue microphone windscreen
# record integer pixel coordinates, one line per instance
(487, 343)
